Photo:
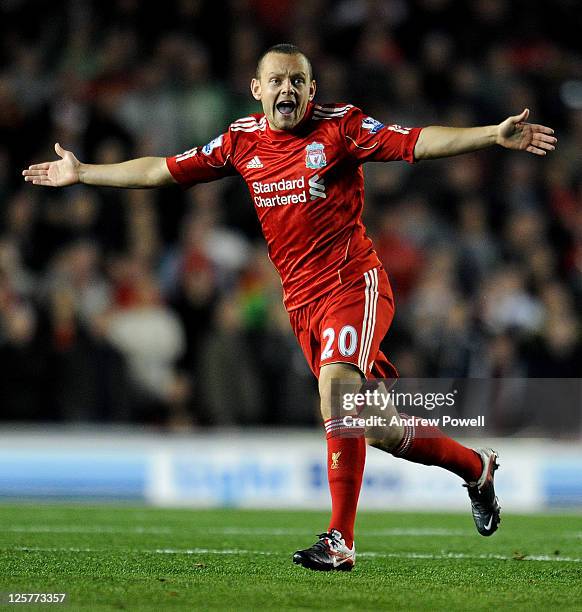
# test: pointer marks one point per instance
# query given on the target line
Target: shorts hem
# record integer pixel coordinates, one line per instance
(347, 363)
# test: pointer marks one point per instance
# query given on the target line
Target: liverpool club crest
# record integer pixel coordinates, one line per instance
(315, 156)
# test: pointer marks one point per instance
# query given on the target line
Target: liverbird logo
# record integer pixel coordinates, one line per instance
(335, 460)
(315, 156)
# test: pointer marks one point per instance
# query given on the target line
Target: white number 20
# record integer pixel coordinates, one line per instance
(347, 341)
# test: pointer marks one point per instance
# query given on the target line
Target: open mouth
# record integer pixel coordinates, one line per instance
(286, 107)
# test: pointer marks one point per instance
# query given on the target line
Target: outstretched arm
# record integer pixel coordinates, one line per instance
(513, 133)
(136, 173)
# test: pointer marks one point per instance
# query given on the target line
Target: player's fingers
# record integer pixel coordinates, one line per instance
(59, 150)
(43, 166)
(542, 129)
(544, 145)
(545, 138)
(535, 150)
(43, 181)
(34, 172)
(522, 116)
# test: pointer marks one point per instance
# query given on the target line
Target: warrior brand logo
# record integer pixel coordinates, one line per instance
(335, 457)
(316, 187)
(315, 156)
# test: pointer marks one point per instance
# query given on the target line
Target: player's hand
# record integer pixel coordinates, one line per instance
(59, 173)
(514, 133)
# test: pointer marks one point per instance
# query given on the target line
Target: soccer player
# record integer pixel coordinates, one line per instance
(302, 163)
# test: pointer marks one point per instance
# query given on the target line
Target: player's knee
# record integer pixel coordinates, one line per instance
(387, 438)
(336, 379)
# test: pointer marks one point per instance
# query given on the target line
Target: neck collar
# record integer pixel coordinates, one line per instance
(301, 129)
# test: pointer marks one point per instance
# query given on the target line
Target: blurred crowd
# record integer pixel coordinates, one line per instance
(161, 307)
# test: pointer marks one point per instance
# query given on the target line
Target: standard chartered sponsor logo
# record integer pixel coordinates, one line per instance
(316, 189)
(281, 185)
(277, 199)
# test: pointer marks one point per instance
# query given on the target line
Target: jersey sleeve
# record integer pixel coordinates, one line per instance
(367, 139)
(203, 164)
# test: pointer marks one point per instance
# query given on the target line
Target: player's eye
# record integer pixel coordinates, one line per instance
(298, 81)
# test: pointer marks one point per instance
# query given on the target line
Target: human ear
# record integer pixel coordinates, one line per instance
(312, 88)
(256, 89)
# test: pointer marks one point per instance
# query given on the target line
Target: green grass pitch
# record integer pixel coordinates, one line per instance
(115, 557)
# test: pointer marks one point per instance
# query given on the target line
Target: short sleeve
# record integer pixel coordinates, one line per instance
(368, 139)
(203, 164)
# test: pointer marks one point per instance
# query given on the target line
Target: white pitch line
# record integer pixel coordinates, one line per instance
(490, 556)
(158, 551)
(236, 551)
(428, 531)
(95, 529)
(210, 551)
(244, 531)
(365, 532)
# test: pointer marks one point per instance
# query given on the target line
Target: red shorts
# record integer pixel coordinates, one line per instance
(347, 325)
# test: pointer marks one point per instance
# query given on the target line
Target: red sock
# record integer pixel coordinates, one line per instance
(428, 445)
(346, 456)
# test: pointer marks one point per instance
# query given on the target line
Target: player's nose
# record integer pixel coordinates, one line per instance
(287, 86)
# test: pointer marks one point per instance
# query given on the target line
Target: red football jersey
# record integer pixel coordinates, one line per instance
(307, 187)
